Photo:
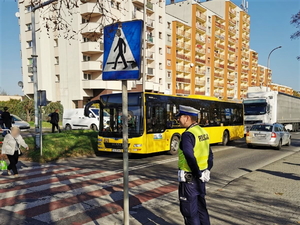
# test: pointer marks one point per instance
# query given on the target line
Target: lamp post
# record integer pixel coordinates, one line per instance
(268, 63)
(34, 72)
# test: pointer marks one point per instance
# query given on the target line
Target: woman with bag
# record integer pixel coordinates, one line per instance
(11, 147)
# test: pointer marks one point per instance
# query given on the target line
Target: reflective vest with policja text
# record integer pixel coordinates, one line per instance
(201, 149)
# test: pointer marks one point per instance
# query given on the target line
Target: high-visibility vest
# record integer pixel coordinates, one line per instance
(201, 149)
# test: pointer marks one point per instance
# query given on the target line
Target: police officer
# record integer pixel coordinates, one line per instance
(195, 163)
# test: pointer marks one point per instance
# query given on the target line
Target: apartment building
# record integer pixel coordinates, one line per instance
(70, 69)
(282, 88)
(210, 50)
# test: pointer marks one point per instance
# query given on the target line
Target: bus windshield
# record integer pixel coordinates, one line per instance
(111, 118)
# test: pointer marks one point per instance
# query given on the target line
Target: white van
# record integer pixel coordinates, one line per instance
(74, 119)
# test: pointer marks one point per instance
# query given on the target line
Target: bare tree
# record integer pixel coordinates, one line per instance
(59, 15)
(295, 20)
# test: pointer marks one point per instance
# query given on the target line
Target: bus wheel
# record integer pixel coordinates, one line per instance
(225, 138)
(94, 127)
(174, 145)
(68, 127)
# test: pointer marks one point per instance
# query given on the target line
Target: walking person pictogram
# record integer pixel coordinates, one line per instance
(119, 46)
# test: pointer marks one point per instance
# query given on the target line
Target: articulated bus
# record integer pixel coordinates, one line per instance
(152, 125)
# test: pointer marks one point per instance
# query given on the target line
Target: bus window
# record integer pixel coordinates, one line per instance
(156, 119)
(172, 121)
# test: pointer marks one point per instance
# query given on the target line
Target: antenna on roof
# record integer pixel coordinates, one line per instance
(244, 5)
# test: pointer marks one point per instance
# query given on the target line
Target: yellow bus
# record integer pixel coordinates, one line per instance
(152, 125)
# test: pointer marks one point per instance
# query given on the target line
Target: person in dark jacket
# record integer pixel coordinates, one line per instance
(1, 120)
(54, 120)
(6, 118)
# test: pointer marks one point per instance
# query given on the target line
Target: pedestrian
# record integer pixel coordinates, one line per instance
(11, 147)
(195, 162)
(54, 119)
(7, 121)
(1, 120)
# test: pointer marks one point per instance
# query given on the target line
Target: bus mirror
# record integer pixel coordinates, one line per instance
(88, 106)
(268, 108)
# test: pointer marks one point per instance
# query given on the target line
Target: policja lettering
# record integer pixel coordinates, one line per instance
(203, 137)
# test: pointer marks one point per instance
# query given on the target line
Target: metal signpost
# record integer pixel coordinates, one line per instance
(122, 61)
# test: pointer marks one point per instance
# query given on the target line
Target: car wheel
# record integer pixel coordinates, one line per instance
(174, 145)
(279, 145)
(249, 146)
(225, 138)
(68, 127)
(94, 127)
(289, 142)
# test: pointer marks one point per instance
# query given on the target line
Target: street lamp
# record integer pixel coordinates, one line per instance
(268, 63)
(35, 77)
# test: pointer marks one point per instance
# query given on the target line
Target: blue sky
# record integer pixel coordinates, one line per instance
(270, 27)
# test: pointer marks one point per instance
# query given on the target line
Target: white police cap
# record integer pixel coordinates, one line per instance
(187, 110)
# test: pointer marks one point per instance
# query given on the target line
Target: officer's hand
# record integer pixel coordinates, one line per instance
(205, 176)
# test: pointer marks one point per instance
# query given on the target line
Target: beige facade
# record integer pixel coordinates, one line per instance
(70, 70)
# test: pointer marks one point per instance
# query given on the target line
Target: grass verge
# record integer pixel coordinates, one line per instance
(63, 145)
(44, 124)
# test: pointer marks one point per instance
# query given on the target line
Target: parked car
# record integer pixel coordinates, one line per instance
(263, 134)
(18, 122)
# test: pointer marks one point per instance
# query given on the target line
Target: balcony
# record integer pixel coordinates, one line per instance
(200, 82)
(200, 39)
(218, 84)
(187, 34)
(93, 84)
(91, 66)
(200, 92)
(198, 60)
(230, 95)
(230, 67)
(232, 30)
(231, 49)
(220, 26)
(179, 44)
(220, 46)
(230, 77)
(182, 91)
(232, 40)
(218, 75)
(201, 16)
(183, 57)
(149, 6)
(91, 47)
(90, 9)
(138, 2)
(200, 51)
(230, 86)
(200, 72)
(150, 55)
(201, 28)
(150, 40)
(180, 32)
(150, 23)
(183, 80)
(180, 68)
(150, 71)
(91, 27)
(220, 36)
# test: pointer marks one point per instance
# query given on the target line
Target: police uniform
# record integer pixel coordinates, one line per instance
(195, 156)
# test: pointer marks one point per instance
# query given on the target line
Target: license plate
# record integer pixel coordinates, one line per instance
(260, 135)
(117, 150)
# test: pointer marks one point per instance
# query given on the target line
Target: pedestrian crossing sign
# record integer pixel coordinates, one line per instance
(122, 51)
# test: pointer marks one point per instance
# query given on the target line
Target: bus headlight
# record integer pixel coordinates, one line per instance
(137, 145)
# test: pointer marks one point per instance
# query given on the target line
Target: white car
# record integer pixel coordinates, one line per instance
(18, 122)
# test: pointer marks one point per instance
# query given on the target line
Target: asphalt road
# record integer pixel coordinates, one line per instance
(64, 191)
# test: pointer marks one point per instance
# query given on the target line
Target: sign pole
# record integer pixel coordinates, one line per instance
(125, 152)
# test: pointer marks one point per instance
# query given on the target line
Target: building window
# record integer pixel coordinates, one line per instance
(57, 78)
(55, 42)
(30, 79)
(86, 58)
(118, 5)
(87, 76)
(112, 4)
(29, 61)
(160, 51)
(168, 86)
(85, 39)
(160, 80)
(168, 37)
(169, 74)
(168, 62)
(209, 19)
(169, 25)
(56, 60)
(28, 26)
(209, 29)
(28, 8)
(84, 20)
(160, 19)
(29, 44)
(169, 50)
(208, 60)
(160, 66)
(208, 39)
(160, 35)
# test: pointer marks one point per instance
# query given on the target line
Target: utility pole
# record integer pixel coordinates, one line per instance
(268, 63)
(35, 77)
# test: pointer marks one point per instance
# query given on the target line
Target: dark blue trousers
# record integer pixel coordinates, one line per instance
(192, 203)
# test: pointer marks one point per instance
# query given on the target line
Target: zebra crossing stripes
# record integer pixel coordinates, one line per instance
(67, 195)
